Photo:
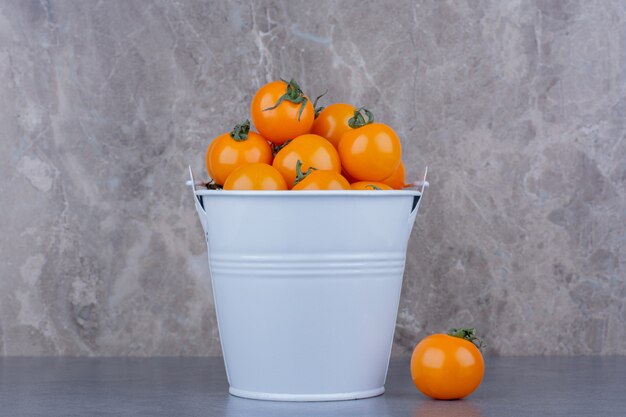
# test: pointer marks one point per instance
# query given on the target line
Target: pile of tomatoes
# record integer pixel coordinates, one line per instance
(301, 147)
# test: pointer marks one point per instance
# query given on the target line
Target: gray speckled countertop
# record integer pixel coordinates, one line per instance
(513, 386)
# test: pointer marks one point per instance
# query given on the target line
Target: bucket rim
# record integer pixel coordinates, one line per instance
(307, 193)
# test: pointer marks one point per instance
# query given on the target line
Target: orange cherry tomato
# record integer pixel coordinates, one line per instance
(229, 151)
(447, 367)
(371, 152)
(332, 122)
(280, 111)
(256, 176)
(369, 185)
(323, 180)
(396, 180)
(314, 151)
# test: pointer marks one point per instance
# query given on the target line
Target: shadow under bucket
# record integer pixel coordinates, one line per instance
(306, 288)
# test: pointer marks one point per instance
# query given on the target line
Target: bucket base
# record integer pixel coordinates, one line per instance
(341, 396)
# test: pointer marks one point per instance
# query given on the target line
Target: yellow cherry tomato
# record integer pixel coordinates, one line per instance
(447, 367)
(332, 122)
(314, 151)
(396, 180)
(256, 176)
(229, 151)
(371, 152)
(369, 185)
(280, 111)
(322, 180)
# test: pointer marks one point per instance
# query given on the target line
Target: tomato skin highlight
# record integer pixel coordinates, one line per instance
(257, 176)
(397, 179)
(332, 122)
(371, 152)
(313, 150)
(445, 367)
(285, 121)
(323, 180)
(369, 186)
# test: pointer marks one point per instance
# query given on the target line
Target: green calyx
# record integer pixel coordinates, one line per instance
(467, 333)
(373, 187)
(293, 94)
(240, 131)
(299, 174)
(361, 117)
(318, 110)
(277, 148)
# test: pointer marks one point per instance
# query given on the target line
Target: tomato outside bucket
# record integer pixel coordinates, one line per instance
(306, 288)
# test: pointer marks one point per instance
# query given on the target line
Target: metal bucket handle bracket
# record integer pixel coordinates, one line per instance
(199, 205)
(417, 200)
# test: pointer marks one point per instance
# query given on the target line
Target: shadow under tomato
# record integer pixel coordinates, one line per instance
(453, 408)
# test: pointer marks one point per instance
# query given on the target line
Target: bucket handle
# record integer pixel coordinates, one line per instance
(417, 200)
(199, 203)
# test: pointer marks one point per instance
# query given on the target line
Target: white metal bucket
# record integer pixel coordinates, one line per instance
(306, 288)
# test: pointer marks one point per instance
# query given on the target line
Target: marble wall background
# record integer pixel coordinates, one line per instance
(518, 108)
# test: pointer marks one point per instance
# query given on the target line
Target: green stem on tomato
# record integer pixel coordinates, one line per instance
(240, 131)
(467, 333)
(299, 174)
(293, 94)
(361, 117)
(318, 110)
(277, 148)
